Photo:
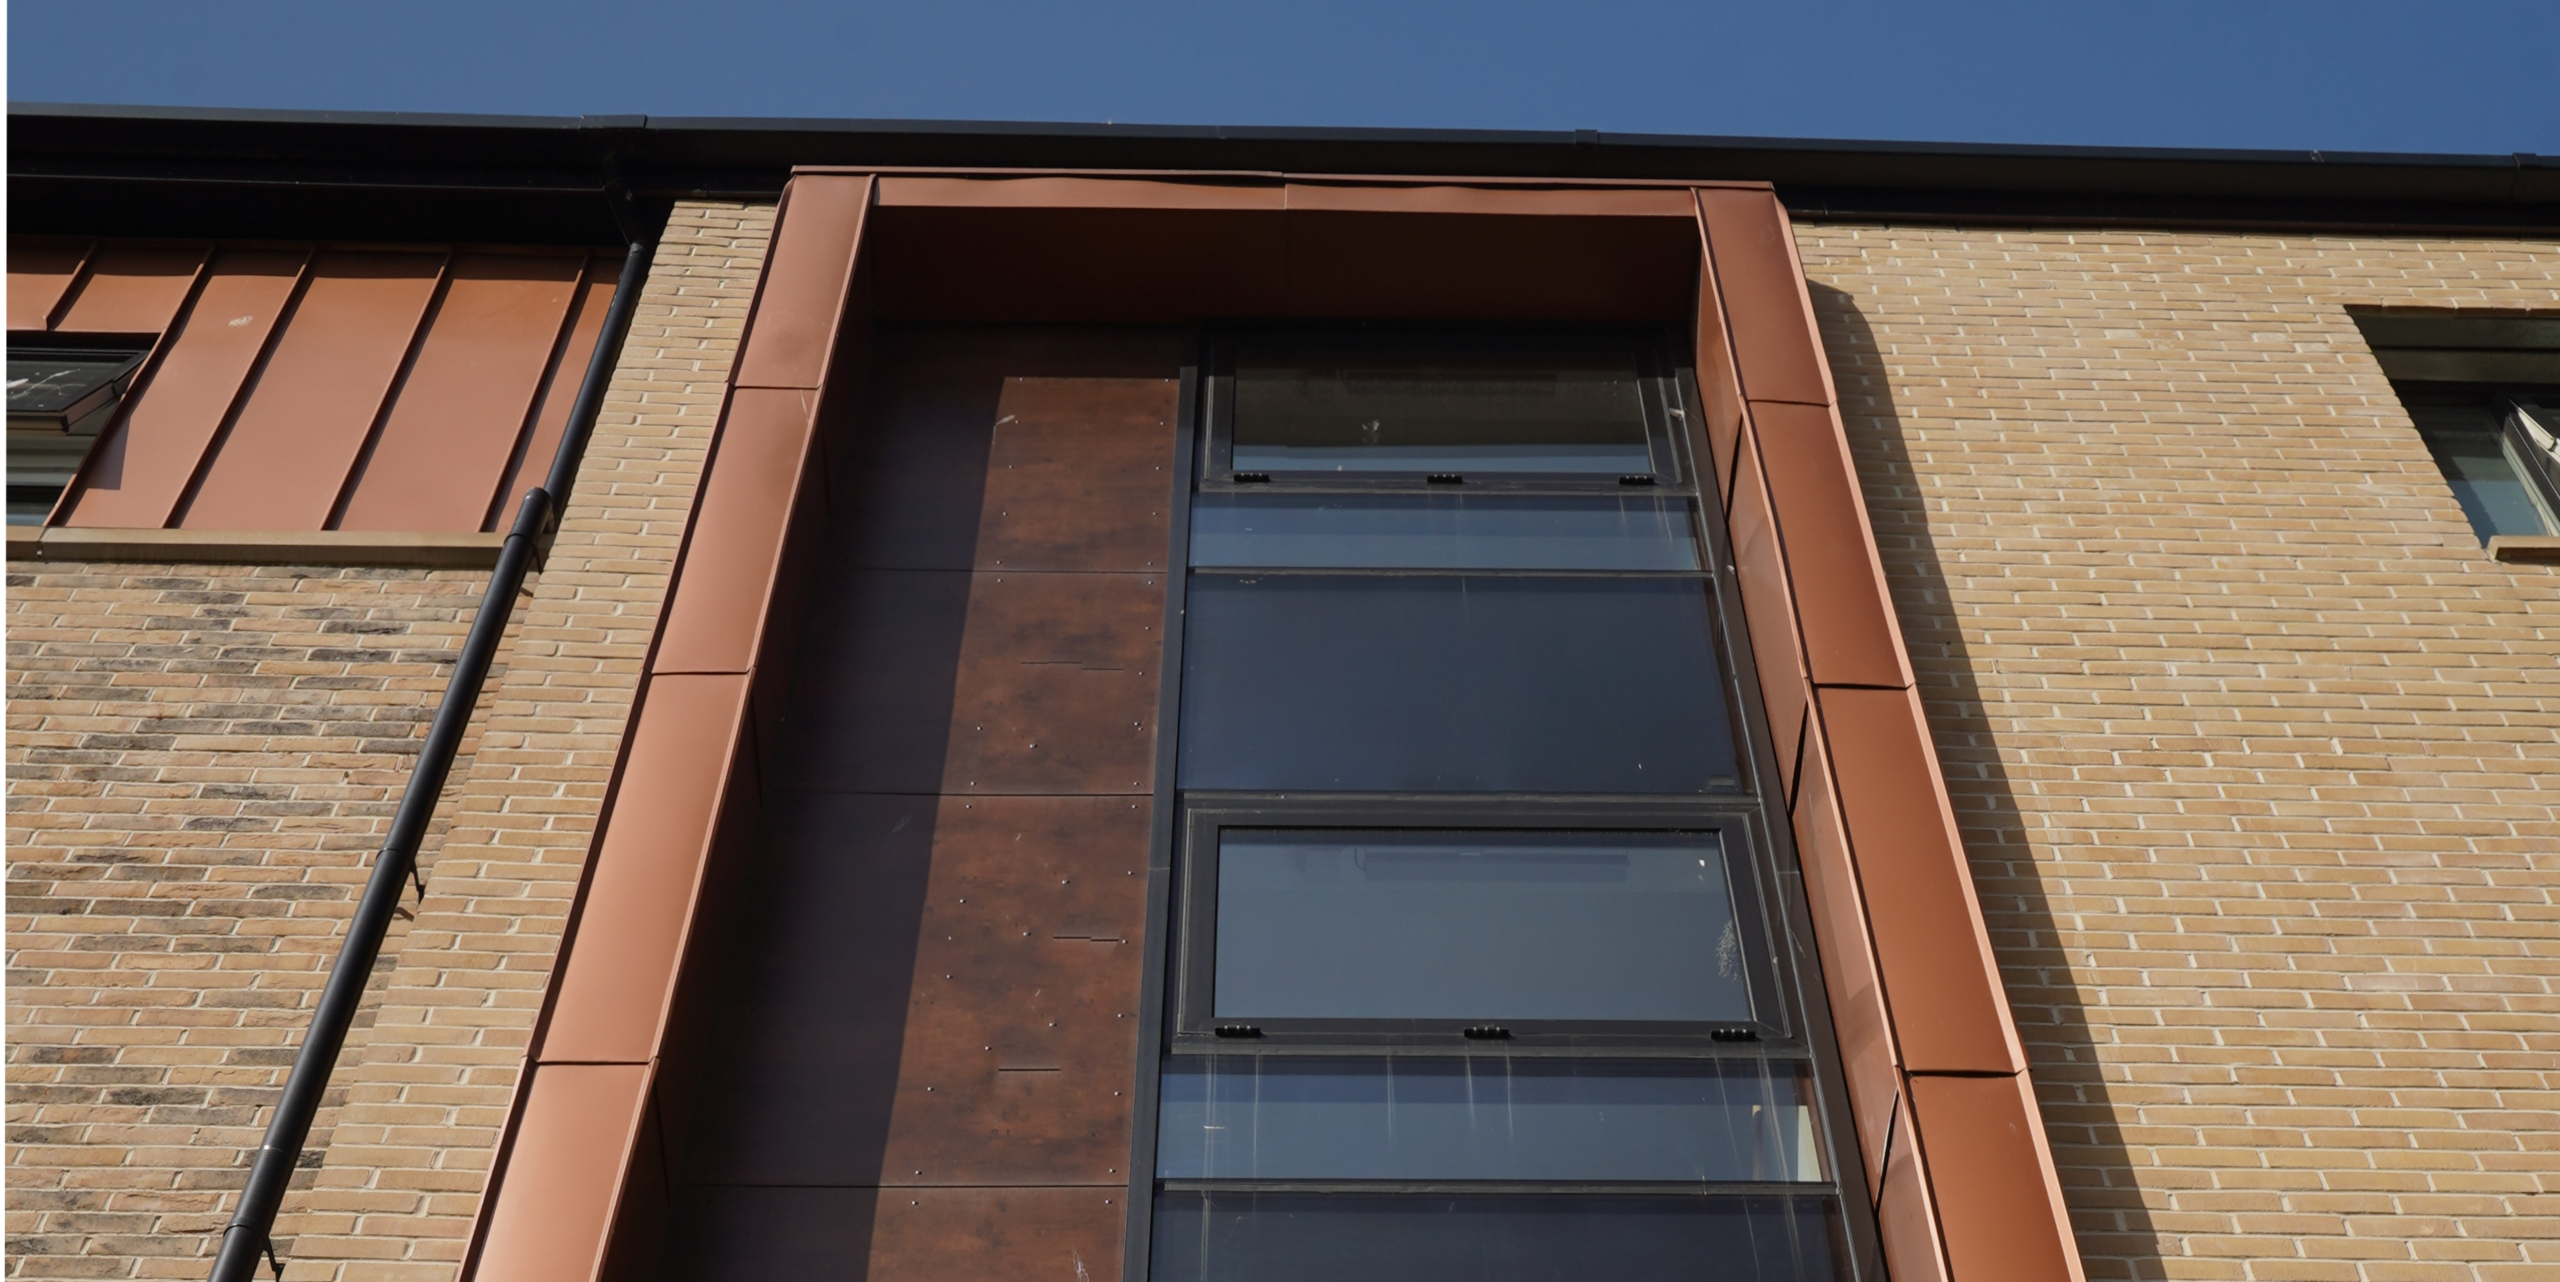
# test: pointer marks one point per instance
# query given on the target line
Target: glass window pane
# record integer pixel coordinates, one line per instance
(1441, 532)
(1485, 1117)
(1438, 403)
(1490, 927)
(1239, 1236)
(2470, 447)
(1439, 683)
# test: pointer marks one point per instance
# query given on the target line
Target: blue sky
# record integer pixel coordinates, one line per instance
(2340, 75)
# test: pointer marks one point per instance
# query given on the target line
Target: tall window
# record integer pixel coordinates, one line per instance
(1476, 969)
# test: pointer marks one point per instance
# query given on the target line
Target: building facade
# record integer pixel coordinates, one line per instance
(1088, 708)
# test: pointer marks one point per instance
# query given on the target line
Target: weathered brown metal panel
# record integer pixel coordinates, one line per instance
(1999, 1201)
(901, 1235)
(1070, 266)
(1949, 1013)
(871, 709)
(1079, 474)
(1403, 266)
(1070, 192)
(1764, 297)
(1768, 611)
(560, 383)
(1057, 684)
(132, 290)
(564, 1173)
(1719, 380)
(1051, 689)
(454, 428)
(932, 991)
(1906, 1217)
(793, 329)
(315, 402)
(716, 614)
(39, 275)
(631, 926)
(1850, 637)
(1858, 1016)
(1503, 200)
(136, 476)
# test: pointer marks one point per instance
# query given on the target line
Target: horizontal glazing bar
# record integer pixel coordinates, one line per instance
(1486, 1117)
(1442, 532)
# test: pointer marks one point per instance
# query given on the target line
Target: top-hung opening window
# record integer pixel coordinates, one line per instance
(1482, 410)
(1450, 561)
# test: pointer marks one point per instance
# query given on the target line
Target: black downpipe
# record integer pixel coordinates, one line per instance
(249, 1235)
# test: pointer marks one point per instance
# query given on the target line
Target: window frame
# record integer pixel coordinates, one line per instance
(1194, 1026)
(1657, 374)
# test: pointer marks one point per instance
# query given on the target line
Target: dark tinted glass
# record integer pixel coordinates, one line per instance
(56, 382)
(1221, 1236)
(1441, 532)
(1475, 926)
(1485, 1117)
(1436, 683)
(2472, 449)
(1384, 402)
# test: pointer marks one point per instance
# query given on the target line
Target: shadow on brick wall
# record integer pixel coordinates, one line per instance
(2116, 1236)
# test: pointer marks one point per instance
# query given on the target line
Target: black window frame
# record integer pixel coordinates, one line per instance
(1656, 366)
(1196, 1030)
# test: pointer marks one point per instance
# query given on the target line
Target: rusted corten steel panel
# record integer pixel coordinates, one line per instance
(792, 331)
(759, 475)
(931, 991)
(531, 464)
(315, 401)
(612, 995)
(1858, 1014)
(40, 275)
(1982, 1134)
(1949, 1010)
(574, 1136)
(1883, 862)
(1839, 589)
(451, 436)
(131, 290)
(1062, 191)
(299, 389)
(137, 474)
(1056, 686)
(899, 1235)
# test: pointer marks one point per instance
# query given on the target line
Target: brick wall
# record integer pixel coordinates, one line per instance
(202, 760)
(2257, 752)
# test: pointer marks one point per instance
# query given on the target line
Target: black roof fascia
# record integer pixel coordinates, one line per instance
(275, 174)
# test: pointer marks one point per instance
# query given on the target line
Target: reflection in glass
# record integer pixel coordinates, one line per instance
(1449, 683)
(1475, 926)
(2482, 465)
(1238, 1236)
(1441, 532)
(1384, 402)
(1485, 1117)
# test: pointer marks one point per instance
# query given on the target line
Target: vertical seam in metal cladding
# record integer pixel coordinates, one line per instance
(141, 380)
(391, 394)
(80, 277)
(240, 395)
(568, 329)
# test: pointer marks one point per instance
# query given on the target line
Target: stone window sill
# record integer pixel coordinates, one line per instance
(2526, 549)
(257, 547)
